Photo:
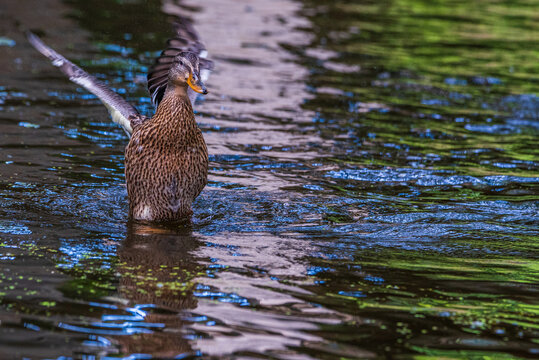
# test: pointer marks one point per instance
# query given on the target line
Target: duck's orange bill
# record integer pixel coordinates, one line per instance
(196, 86)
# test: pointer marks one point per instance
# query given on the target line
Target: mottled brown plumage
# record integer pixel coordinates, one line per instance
(166, 160)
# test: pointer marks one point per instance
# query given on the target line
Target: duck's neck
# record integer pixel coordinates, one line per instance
(175, 108)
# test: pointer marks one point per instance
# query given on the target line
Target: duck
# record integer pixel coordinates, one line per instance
(166, 158)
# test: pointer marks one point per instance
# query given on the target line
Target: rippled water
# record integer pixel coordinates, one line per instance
(373, 184)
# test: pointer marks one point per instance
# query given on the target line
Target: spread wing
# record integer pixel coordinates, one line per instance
(120, 110)
(185, 39)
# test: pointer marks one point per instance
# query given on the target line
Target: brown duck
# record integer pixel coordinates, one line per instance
(166, 160)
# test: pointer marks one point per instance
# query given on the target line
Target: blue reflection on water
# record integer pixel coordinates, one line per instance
(426, 177)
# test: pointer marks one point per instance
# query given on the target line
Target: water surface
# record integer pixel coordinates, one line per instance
(372, 189)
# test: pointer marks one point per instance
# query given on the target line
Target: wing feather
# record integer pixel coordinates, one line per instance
(119, 109)
(186, 39)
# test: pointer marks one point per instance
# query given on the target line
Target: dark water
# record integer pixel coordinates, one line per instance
(373, 185)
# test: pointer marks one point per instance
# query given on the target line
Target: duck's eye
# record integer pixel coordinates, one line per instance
(181, 63)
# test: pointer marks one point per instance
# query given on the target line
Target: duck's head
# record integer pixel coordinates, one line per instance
(185, 72)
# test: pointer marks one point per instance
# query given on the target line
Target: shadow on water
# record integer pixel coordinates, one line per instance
(372, 190)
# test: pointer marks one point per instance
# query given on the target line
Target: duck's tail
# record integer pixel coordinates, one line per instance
(120, 110)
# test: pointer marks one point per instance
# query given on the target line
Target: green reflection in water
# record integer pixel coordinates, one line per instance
(433, 304)
(428, 78)
(434, 85)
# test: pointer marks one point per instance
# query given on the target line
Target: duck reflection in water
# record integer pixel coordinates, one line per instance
(157, 267)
